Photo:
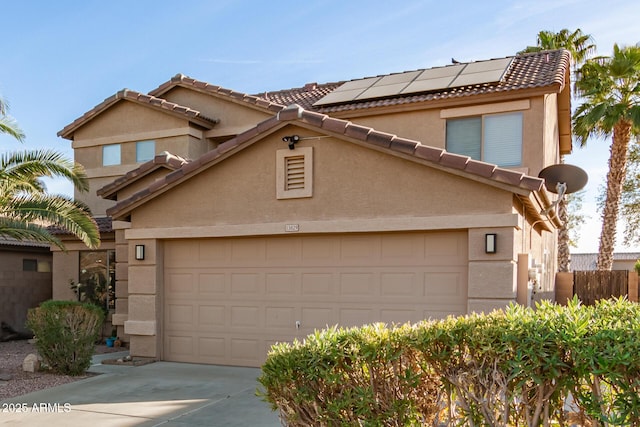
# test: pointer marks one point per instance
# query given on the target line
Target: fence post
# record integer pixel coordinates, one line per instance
(633, 286)
(564, 287)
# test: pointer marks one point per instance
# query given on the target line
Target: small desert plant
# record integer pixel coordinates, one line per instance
(66, 332)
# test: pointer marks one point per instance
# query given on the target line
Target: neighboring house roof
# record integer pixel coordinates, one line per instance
(517, 182)
(141, 99)
(163, 160)
(546, 69)
(103, 223)
(587, 261)
(8, 241)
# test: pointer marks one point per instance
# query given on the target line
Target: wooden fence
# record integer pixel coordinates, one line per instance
(590, 286)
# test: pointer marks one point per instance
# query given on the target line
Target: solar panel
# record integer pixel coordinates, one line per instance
(411, 82)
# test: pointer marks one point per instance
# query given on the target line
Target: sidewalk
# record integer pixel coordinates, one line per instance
(158, 394)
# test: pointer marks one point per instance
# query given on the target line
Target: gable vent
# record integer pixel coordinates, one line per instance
(295, 173)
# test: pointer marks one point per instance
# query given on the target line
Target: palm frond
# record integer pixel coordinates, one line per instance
(31, 165)
(23, 231)
(64, 212)
(9, 126)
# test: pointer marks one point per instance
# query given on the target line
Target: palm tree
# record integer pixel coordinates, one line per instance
(581, 47)
(26, 209)
(610, 87)
(7, 124)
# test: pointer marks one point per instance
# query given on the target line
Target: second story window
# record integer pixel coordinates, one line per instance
(145, 151)
(495, 138)
(111, 155)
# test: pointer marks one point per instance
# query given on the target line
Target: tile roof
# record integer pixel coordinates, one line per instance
(103, 223)
(140, 98)
(201, 86)
(8, 241)
(162, 160)
(588, 261)
(544, 69)
(436, 157)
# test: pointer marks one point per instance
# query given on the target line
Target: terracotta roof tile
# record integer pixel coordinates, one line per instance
(162, 160)
(103, 223)
(335, 125)
(453, 160)
(507, 176)
(381, 139)
(313, 118)
(404, 145)
(133, 96)
(529, 71)
(357, 131)
(426, 152)
(339, 128)
(184, 81)
(480, 168)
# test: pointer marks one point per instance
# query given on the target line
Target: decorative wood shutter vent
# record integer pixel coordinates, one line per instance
(295, 173)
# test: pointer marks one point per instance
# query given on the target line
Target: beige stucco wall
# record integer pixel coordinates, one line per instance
(540, 132)
(67, 266)
(349, 182)
(233, 115)
(127, 123)
(126, 117)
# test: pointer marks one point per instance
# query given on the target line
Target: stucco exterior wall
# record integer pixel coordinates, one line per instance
(125, 118)
(429, 127)
(67, 266)
(349, 182)
(233, 116)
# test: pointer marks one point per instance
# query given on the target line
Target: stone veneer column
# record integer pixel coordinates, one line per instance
(144, 314)
(492, 277)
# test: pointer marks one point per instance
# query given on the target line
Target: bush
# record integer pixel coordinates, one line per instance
(360, 376)
(66, 333)
(551, 365)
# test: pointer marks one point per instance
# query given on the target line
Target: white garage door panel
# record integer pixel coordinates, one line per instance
(226, 301)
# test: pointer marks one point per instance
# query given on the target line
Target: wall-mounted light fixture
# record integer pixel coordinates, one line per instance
(139, 252)
(490, 240)
(291, 140)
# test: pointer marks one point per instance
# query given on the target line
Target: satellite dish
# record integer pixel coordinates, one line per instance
(558, 176)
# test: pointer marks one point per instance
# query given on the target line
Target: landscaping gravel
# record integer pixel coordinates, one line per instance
(15, 382)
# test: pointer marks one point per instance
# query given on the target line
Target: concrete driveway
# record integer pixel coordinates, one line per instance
(158, 394)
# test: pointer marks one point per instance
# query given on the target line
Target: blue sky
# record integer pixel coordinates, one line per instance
(61, 58)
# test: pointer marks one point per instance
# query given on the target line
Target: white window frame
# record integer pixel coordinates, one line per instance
(489, 158)
(111, 155)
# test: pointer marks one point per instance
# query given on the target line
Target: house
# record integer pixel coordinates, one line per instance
(237, 221)
(25, 280)
(587, 261)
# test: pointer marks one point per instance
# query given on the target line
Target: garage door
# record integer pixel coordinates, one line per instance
(227, 300)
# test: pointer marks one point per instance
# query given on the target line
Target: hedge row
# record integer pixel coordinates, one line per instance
(554, 365)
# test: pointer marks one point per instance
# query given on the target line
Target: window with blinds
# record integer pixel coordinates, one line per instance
(294, 173)
(495, 138)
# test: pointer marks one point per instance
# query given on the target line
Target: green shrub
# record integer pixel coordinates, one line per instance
(360, 376)
(66, 333)
(552, 365)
